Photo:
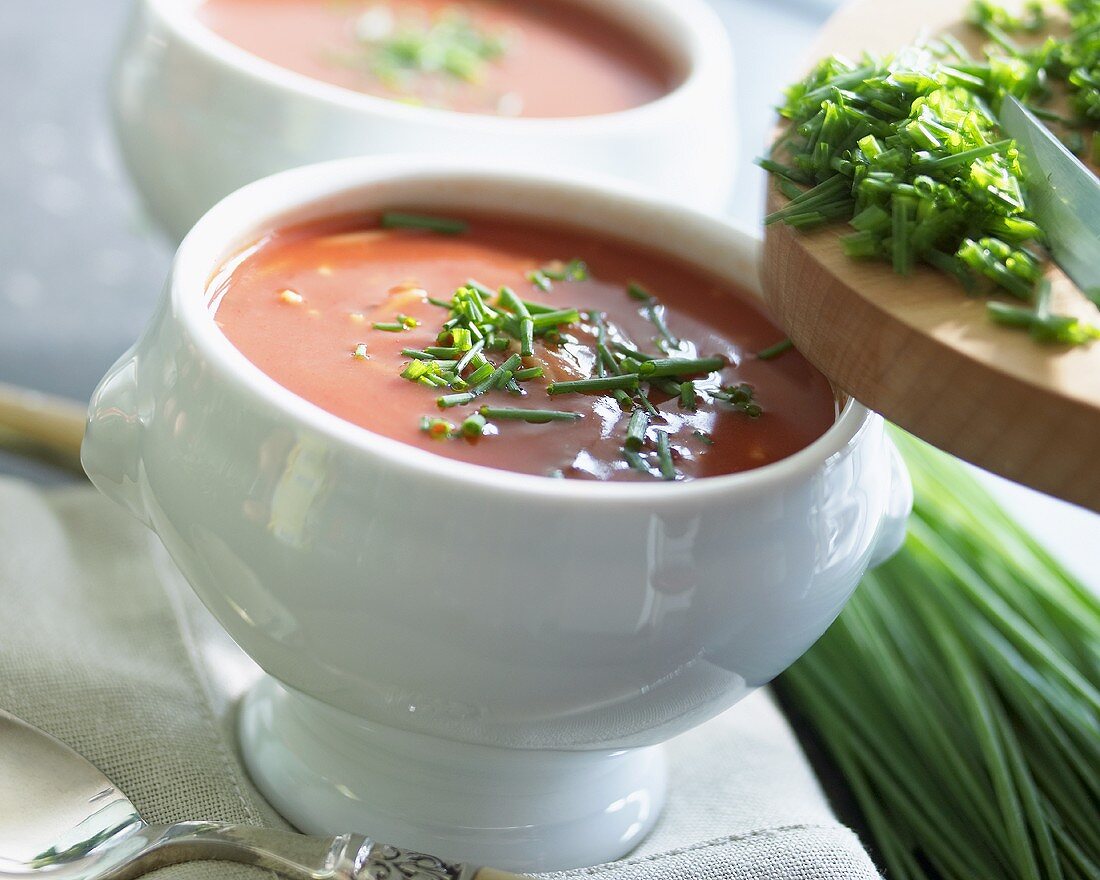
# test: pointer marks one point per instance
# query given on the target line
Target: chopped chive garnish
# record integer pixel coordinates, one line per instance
(774, 351)
(636, 292)
(415, 370)
(688, 398)
(741, 397)
(436, 428)
(481, 374)
(513, 303)
(402, 322)
(397, 48)
(474, 328)
(449, 400)
(649, 407)
(526, 333)
(635, 429)
(494, 378)
(537, 308)
(442, 225)
(628, 381)
(606, 360)
(534, 416)
(632, 352)
(623, 399)
(461, 339)
(541, 280)
(574, 270)
(483, 292)
(664, 457)
(635, 460)
(526, 336)
(545, 320)
(474, 351)
(704, 436)
(680, 366)
(654, 311)
(474, 425)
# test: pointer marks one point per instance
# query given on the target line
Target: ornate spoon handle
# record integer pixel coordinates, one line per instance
(294, 856)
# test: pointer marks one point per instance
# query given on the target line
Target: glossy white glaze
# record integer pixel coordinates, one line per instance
(540, 614)
(197, 117)
(529, 810)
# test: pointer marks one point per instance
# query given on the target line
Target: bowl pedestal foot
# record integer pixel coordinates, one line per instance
(327, 771)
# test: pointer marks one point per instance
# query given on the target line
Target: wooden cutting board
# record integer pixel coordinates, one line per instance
(917, 349)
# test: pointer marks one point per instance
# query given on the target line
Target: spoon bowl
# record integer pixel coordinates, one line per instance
(61, 818)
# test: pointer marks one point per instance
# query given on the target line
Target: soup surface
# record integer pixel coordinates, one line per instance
(408, 332)
(506, 57)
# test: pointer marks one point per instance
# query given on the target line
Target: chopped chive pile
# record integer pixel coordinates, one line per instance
(906, 150)
(486, 345)
(396, 49)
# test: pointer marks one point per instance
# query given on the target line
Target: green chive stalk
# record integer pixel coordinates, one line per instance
(440, 225)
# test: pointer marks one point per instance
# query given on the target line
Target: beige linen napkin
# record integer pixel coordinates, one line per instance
(103, 645)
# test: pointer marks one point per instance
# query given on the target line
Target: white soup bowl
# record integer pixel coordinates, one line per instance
(196, 116)
(477, 663)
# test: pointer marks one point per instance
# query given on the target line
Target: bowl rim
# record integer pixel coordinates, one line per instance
(227, 229)
(702, 41)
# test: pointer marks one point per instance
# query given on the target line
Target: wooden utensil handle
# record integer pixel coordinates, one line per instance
(42, 421)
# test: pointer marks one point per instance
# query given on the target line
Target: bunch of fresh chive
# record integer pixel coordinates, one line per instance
(907, 150)
(959, 695)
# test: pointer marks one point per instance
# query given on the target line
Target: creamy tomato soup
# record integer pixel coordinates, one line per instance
(520, 346)
(507, 57)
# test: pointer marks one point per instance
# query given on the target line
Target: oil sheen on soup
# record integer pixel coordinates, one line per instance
(522, 346)
(545, 58)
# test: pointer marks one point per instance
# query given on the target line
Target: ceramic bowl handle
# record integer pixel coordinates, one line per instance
(891, 533)
(111, 449)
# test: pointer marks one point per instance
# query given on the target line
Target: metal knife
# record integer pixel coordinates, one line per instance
(1063, 194)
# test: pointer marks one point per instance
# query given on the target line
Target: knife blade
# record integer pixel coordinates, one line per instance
(1063, 195)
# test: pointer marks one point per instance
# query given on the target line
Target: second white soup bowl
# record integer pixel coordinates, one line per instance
(197, 117)
(478, 663)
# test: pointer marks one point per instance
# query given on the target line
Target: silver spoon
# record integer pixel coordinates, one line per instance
(61, 819)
